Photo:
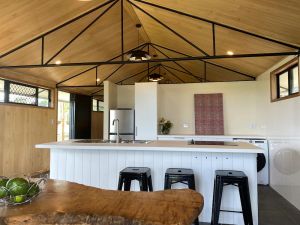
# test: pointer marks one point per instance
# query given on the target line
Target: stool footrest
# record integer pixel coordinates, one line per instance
(222, 210)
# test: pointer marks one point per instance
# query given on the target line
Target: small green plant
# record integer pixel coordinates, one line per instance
(165, 126)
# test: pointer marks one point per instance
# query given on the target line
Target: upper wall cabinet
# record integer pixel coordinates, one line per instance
(146, 111)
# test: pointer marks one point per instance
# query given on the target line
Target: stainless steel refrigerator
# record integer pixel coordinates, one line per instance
(126, 124)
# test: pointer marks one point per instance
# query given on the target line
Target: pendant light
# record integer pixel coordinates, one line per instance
(138, 55)
(155, 77)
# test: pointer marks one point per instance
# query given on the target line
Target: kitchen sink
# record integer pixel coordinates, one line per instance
(112, 141)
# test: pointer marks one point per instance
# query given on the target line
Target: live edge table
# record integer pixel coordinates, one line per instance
(98, 165)
(64, 202)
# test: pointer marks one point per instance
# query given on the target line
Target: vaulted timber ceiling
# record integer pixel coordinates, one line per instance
(23, 20)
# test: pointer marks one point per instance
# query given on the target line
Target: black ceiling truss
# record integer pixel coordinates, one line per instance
(182, 67)
(214, 64)
(204, 57)
(42, 36)
(214, 23)
(176, 59)
(81, 32)
(136, 74)
(96, 67)
(173, 74)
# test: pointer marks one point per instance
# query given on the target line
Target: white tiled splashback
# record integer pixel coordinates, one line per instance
(285, 168)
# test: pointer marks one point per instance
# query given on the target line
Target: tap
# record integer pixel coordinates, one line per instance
(118, 133)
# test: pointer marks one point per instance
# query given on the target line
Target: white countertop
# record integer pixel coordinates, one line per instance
(212, 136)
(173, 146)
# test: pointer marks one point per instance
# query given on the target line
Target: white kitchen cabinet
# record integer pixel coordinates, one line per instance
(146, 111)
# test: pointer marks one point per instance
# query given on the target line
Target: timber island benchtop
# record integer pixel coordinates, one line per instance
(64, 202)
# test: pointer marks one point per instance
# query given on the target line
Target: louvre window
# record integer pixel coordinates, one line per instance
(12, 92)
(22, 94)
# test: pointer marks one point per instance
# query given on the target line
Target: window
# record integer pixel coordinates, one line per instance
(63, 116)
(12, 92)
(285, 81)
(98, 106)
(1, 90)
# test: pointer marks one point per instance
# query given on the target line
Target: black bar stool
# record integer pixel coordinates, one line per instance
(142, 174)
(238, 179)
(180, 175)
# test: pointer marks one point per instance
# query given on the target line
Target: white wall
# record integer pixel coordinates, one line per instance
(125, 97)
(176, 103)
(281, 122)
(279, 118)
(110, 101)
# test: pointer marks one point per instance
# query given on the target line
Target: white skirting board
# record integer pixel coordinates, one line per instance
(100, 168)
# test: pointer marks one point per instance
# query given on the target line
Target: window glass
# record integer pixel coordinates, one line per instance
(100, 106)
(64, 96)
(1, 90)
(95, 106)
(43, 97)
(63, 116)
(22, 94)
(295, 80)
(283, 85)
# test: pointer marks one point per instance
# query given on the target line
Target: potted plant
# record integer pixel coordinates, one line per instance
(165, 126)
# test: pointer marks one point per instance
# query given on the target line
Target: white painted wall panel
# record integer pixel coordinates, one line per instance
(101, 169)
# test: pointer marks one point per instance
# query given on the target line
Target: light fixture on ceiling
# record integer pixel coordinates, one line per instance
(230, 52)
(155, 77)
(57, 62)
(138, 55)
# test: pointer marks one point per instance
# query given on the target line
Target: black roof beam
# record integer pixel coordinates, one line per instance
(214, 64)
(138, 74)
(173, 74)
(81, 32)
(170, 29)
(96, 67)
(182, 67)
(176, 59)
(221, 25)
(55, 29)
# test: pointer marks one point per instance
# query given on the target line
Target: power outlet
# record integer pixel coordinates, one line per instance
(185, 125)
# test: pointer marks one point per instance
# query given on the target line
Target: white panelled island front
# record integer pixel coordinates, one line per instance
(99, 164)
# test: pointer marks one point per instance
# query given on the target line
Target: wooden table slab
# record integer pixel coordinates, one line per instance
(69, 203)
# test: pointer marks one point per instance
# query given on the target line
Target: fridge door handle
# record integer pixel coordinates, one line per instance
(136, 131)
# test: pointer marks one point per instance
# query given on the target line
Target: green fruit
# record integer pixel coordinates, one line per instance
(3, 190)
(3, 182)
(17, 186)
(33, 190)
(19, 198)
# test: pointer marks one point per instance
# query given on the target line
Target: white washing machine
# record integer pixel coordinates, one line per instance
(262, 159)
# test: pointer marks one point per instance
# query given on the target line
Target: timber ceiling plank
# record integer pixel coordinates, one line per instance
(275, 19)
(102, 41)
(22, 20)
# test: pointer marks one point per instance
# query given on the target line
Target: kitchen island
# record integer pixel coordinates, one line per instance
(99, 164)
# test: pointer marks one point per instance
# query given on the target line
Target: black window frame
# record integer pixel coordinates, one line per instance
(7, 84)
(289, 70)
(97, 105)
(275, 80)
